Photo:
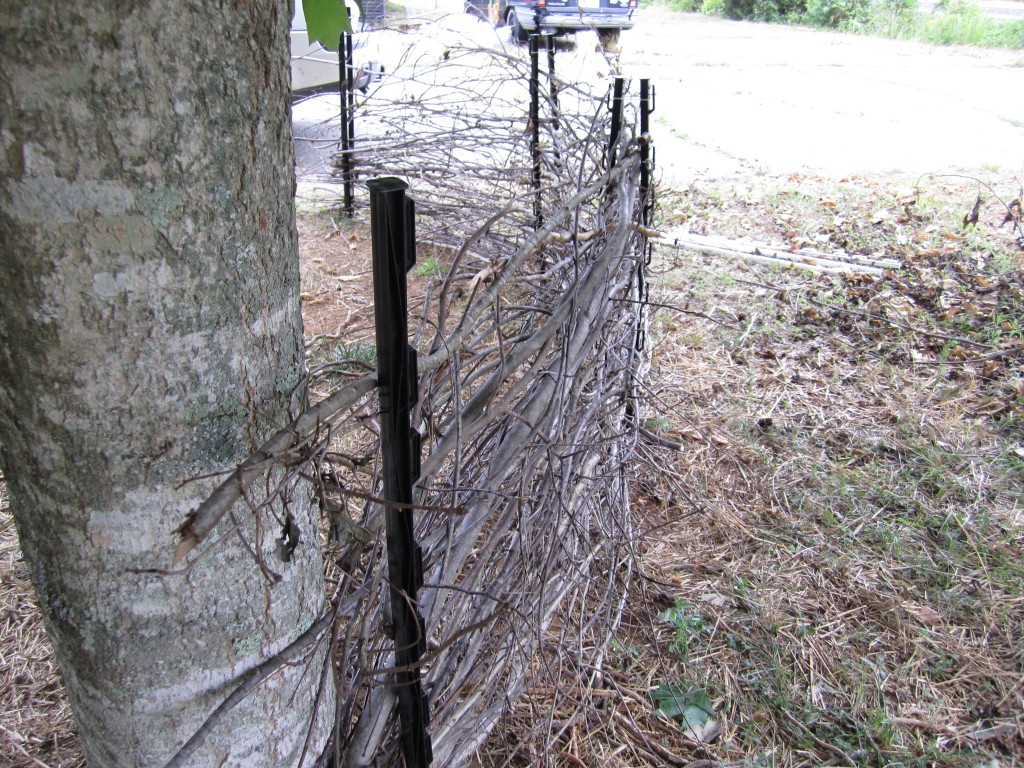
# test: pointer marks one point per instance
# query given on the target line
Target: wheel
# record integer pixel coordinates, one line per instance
(518, 33)
(608, 37)
(473, 8)
(492, 11)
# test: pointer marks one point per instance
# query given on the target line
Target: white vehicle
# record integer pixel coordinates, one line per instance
(314, 68)
(557, 17)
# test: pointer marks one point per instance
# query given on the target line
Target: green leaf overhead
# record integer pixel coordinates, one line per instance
(325, 21)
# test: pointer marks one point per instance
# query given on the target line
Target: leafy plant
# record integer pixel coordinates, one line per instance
(755, 10)
(954, 22)
(657, 423)
(891, 16)
(687, 622)
(687, 704)
(624, 654)
(325, 21)
(837, 14)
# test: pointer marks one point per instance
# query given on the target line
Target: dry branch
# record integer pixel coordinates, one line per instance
(804, 258)
(275, 452)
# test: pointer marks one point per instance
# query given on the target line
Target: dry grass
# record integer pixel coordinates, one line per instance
(834, 554)
(36, 724)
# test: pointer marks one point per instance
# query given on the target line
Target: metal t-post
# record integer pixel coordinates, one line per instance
(535, 126)
(646, 204)
(550, 39)
(646, 164)
(348, 118)
(613, 137)
(392, 227)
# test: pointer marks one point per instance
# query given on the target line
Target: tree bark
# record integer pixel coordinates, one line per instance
(149, 334)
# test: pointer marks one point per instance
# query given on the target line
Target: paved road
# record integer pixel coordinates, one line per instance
(315, 124)
(735, 96)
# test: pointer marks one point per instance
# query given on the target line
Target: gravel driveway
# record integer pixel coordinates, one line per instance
(740, 96)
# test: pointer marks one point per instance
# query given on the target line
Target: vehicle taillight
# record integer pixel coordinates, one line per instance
(541, 3)
(632, 3)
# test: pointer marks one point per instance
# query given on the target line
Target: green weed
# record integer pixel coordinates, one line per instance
(953, 22)
(346, 357)
(687, 623)
(430, 267)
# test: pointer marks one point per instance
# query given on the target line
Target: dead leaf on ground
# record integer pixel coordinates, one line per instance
(925, 614)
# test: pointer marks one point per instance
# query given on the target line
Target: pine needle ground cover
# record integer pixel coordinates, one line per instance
(833, 552)
(829, 496)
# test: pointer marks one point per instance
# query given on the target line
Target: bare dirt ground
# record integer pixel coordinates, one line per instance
(832, 497)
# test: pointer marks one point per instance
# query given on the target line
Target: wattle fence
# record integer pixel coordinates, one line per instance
(528, 352)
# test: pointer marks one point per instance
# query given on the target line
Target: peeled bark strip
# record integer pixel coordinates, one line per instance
(149, 333)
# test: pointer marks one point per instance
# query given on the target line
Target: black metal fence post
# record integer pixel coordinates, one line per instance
(348, 118)
(550, 40)
(646, 206)
(392, 227)
(616, 126)
(646, 108)
(535, 126)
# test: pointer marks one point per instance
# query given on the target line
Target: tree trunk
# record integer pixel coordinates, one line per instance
(150, 333)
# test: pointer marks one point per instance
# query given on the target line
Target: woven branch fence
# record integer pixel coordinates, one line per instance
(530, 362)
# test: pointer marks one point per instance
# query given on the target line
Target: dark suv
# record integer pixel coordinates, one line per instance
(557, 17)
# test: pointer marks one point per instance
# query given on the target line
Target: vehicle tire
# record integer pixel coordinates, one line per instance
(491, 11)
(608, 37)
(473, 9)
(519, 34)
